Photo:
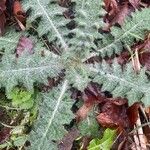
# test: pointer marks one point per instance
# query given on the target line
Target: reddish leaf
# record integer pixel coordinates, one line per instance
(145, 53)
(83, 111)
(4, 134)
(64, 3)
(19, 13)
(2, 16)
(111, 6)
(92, 95)
(135, 3)
(24, 44)
(114, 113)
(4, 131)
(117, 11)
(119, 18)
(123, 58)
(133, 112)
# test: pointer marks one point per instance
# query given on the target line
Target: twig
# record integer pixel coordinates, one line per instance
(141, 134)
(136, 140)
(142, 125)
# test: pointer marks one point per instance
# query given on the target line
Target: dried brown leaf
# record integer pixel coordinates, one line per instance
(119, 18)
(4, 134)
(114, 113)
(133, 113)
(92, 95)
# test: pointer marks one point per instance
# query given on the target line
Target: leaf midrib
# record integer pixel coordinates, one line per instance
(113, 77)
(65, 46)
(58, 102)
(118, 39)
(25, 69)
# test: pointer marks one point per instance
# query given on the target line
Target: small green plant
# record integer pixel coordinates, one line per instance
(105, 143)
(22, 98)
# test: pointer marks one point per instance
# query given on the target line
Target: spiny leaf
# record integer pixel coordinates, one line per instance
(89, 126)
(9, 41)
(27, 70)
(87, 24)
(54, 112)
(52, 19)
(134, 27)
(124, 83)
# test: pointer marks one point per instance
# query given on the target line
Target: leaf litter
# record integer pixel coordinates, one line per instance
(111, 114)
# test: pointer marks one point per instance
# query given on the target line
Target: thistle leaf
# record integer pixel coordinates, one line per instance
(54, 112)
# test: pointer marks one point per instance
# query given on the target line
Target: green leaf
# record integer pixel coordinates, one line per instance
(105, 143)
(22, 98)
(9, 41)
(27, 70)
(87, 24)
(123, 82)
(52, 19)
(54, 112)
(20, 140)
(89, 126)
(135, 27)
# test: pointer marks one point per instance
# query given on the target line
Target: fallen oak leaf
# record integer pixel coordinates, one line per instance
(93, 93)
(83, 111)
(112, 8)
